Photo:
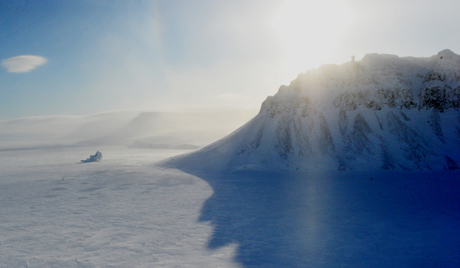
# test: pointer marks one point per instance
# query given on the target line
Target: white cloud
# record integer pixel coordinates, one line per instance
(23, 63)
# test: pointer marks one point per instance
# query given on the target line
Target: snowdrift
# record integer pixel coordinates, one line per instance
(381, 113)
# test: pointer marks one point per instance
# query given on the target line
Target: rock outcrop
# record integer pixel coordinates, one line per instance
(380, 113)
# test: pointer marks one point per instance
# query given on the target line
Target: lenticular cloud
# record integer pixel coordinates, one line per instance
(23, 64)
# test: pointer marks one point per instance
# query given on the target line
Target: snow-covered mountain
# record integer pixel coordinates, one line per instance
(380, 113)
(180, 130)
(143, 129)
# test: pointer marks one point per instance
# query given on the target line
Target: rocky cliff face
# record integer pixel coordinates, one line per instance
(383, 112)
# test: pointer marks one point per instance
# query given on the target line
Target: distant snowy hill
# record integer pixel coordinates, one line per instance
(381, 113)
(141, 129)
(179, 130)
(59, 130)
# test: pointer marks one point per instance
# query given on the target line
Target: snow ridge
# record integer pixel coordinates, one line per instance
(383, 112)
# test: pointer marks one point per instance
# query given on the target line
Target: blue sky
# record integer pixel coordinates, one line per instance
(94, 56)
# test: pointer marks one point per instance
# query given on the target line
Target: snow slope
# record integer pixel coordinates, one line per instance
(146, 129)
(180, 130)
(380, 113)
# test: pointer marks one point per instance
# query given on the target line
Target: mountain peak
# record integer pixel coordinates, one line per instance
(447, 54)
(383, 112)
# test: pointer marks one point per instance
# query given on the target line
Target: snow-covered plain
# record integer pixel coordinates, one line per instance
(120, 212)
(334, 218)
(127, 211)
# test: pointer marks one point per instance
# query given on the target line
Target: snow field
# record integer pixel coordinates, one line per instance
(335, 219)
(121, 212)
(127, 212)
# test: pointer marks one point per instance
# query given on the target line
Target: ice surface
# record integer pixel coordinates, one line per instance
(122, 212)
(334, 218)
(126, 212)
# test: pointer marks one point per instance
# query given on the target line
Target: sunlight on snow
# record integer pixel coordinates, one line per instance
(310, 29)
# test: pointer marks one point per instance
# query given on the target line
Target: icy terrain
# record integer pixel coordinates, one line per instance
(120, 212)
(350, 166)
(335, 219)
(126, 212)
(380, 113)
(135, 129)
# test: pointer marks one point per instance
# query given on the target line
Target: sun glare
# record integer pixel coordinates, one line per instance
(310, 29)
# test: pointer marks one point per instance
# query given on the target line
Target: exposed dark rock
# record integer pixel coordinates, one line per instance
(450, 164)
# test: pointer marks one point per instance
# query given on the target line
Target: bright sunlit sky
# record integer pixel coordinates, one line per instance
(88, 56)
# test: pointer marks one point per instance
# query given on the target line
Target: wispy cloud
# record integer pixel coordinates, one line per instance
(23, 63)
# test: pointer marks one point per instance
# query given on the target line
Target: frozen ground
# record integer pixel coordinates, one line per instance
(336, 219)
(121, 212)
(127, 212)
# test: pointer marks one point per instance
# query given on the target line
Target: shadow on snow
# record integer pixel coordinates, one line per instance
(335, 219)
